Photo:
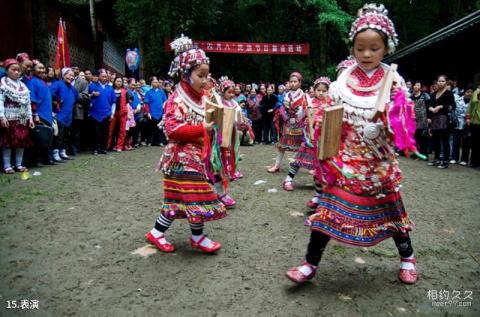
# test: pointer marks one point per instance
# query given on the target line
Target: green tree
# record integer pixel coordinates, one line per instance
(322, 23)
(147, 23)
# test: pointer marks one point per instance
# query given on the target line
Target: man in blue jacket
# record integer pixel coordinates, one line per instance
(154, 99)
(103, 105)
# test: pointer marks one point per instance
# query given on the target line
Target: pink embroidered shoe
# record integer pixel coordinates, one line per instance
(274, 169)
(238, 175)
(165, 247)
(227, 201)
(307, 222)
(288, 186)
(408, 276)
(295, 275)
(197, 245)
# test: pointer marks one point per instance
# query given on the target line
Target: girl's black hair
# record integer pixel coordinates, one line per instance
(444, 76)
(315, 86)
(382, 35)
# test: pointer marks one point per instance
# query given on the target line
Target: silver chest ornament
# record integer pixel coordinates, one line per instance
(371, 131)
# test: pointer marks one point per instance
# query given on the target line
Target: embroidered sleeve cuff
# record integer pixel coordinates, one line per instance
(187, 133)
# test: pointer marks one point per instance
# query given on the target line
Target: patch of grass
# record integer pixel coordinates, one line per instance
(339, 249)
(24, 195)
(384, 253)
(5, 198)
(5, 179)
(437, 253)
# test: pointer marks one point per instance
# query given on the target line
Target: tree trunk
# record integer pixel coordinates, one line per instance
(97, 54)
(40, 31)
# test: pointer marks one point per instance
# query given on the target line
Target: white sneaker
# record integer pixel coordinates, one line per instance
(453, 162)
(463, 163)
(56, 156)
(63, 155)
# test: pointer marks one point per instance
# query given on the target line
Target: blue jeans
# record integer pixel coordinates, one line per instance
(456, 140)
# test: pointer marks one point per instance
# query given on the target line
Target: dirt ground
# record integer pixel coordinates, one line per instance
(67, 239)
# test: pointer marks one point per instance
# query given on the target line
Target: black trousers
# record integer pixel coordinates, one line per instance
(39, 152)
(475, 144)
(422, 141)
(79, 135)
(155, 135)
(441, 139)
(319, 240)
(142, 127)
(100, 130)
(134, 133)
(61, 141)
(257, 126)
(268, 130)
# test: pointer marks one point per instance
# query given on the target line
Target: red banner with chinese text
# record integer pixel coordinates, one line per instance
(249, 48)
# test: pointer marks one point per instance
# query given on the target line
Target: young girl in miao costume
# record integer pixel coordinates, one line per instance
(227, 88)
(187, 192)
(305, 156)
(361, 204)
(215, 167)
(218, 167)
(15, 116)
(349, 61)
(292, 114)
(313, 203)
(210, 90)
(228, 155)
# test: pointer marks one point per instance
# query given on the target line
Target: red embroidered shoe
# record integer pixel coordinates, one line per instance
(408, 276)
(288, 186)
(165, 247)
(312, 204)
(295, 275)
(197, 245)
(274, 169)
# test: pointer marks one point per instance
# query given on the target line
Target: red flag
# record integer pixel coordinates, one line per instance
(62, 55)
(65, 45)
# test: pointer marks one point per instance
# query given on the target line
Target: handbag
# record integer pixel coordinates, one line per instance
(452, 119)
(43, 136)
